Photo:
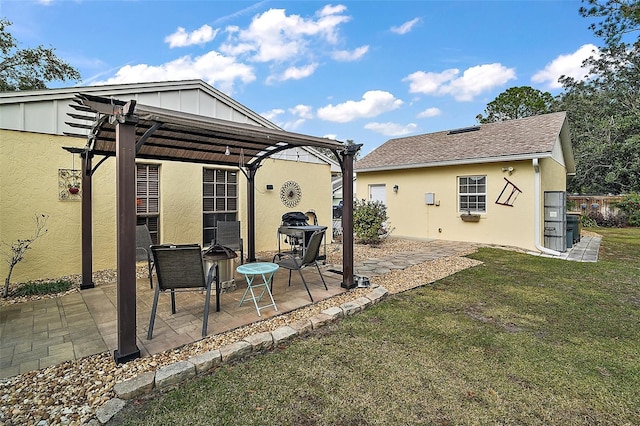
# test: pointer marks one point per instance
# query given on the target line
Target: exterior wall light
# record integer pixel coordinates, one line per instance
(395, 188)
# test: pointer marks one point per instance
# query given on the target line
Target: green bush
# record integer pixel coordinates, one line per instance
(40, 288)
(630, 205)
(369, 218)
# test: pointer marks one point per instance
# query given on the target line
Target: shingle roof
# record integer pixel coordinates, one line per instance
(506, 140)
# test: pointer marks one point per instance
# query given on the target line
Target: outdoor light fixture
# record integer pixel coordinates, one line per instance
(508, 169)
(227, 152)
(395, 188)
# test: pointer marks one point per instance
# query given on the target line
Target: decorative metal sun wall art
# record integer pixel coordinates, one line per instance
(290, 193)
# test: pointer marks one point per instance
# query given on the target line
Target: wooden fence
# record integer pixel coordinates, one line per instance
(593, 203)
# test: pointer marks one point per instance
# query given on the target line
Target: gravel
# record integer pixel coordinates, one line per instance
(70, 393)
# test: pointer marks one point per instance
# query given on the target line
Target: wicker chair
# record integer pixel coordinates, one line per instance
(143, 250)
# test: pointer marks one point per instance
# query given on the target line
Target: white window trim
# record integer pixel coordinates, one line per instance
(461, 194)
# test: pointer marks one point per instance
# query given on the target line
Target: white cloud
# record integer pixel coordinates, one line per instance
(430, 112)
(331, 10)
(472, 82)
(391, 129)
(272, 114)
(348, 56)
(276, 36)
(291, 45)
(373, 103)
(331, 136)
(214, 68)
(297, 73)
(429, 83)
(406, 27)
(181, 38)
(568, 65)
(302, 111)
(293, 125)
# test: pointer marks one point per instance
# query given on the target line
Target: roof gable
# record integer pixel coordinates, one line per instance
(530, 137)
(46, 111)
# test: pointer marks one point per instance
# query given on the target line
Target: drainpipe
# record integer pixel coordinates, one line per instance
(537, 197)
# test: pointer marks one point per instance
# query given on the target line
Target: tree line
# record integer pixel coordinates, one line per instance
(603, 109)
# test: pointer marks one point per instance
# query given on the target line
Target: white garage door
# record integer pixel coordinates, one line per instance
(378, 193)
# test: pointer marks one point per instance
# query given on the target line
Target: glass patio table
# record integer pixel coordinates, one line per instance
(253, 270)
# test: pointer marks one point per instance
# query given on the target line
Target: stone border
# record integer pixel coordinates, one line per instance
(178, 372)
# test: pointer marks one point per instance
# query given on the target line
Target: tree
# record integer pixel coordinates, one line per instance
(517, 102)
(620, 17)
(29, 69)
(604, 110)
(19, 248)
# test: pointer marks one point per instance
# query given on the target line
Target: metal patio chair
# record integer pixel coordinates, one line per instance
(310, 258)
(180, 268)
(143, 249)
(228, 235)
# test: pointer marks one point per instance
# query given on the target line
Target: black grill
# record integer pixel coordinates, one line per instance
(295, 219)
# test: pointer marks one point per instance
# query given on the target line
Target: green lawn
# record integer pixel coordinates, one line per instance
(518, 340)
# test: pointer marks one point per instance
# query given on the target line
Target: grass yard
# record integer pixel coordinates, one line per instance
(518, 340)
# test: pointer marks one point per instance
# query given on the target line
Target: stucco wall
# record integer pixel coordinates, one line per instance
(314, 181)
(409, 216)
(29, 166)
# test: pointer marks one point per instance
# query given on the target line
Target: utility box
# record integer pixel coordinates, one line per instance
(429, 198)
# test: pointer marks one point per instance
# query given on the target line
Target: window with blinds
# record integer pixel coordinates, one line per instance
(219, 200)
(148, 198)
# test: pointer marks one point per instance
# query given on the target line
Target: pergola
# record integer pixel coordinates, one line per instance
(128, 130)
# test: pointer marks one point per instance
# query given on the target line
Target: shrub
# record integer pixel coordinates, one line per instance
(39, 288)
(630, 205)
(369, 218)
(610, 220)
(18, 248)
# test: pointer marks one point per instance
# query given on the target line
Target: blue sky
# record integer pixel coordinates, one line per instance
(367, 71)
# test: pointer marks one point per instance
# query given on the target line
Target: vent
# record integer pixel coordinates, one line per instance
(463, 130)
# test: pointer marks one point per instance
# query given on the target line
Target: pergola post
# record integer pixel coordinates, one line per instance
(87, 225)
(126, 234)
(251, 212)
(346, 164)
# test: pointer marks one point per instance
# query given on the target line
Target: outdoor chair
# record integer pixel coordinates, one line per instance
(310, 258)
(180, 268)
(143, 249)
(228, 235)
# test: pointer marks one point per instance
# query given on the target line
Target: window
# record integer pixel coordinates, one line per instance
(472, 194)
(148, 198)
(219, 200)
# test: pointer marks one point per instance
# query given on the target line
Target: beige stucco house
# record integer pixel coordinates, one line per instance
(179, 201)
(500, 183)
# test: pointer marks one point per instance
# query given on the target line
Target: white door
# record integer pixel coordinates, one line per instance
(378, 193)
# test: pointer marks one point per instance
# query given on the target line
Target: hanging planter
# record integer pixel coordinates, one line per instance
(73, 182)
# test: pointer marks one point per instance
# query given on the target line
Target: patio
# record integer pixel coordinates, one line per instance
(46, 332)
